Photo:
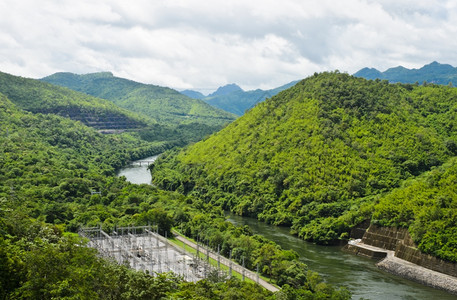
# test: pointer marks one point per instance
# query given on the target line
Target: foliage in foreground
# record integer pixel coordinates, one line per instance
(39, 261)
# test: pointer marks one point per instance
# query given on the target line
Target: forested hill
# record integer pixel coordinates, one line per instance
(165, 105)
(432, 73)
(318, 156)
(40, 97)
(49, 168)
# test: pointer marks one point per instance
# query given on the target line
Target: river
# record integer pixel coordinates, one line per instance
(137, 171)
(358, 274)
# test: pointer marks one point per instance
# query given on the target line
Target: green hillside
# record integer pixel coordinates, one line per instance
(427, 207)
(318, 156)
(49, 167)
(40, 97)
(164, 105)
(432, 73)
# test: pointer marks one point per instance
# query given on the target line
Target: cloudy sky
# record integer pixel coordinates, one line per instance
(201, 45)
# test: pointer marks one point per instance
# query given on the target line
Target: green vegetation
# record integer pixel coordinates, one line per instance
(427, 206)
(434, 72)
(39, 261)
(40, 97)
(320, 155)
(164, 105)
(179, 120)
(49, 167)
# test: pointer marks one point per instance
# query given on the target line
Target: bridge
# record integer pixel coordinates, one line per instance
(141, 162)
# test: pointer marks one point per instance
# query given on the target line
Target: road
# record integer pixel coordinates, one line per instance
(225, 261)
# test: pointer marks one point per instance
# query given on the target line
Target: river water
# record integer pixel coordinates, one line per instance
(137, 172)
(358, 274)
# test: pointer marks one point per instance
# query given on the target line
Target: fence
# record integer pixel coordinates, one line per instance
(143, 249)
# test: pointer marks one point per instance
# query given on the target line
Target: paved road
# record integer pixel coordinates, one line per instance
(236, 267)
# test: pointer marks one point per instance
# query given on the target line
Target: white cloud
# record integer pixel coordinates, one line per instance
(204, 44)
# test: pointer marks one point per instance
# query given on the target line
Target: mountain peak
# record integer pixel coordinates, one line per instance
(368, 73)
(99, 75)
(226, 89)
(433, 73)
(193, 94)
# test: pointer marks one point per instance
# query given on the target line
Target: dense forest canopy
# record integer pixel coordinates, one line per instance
(319, 157)
(49, 168)
(164, 105)
(40, 97)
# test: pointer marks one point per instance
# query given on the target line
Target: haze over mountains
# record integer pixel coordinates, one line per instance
(432, 73)
(234, 99)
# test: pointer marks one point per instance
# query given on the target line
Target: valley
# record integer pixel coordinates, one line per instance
(360, 275)
(321, 158)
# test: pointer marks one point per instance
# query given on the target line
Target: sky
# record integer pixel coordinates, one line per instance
(201, 45)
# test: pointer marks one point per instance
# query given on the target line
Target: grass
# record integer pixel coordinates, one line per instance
(212, 262)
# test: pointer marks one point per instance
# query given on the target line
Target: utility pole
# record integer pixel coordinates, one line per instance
(230, 264)
(243, 268)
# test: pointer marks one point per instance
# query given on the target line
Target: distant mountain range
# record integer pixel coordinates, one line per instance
(193, 94)
(234, 99)
(432, 73)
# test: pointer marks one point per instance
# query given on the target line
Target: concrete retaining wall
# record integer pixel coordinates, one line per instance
(399, 240)
(414, 255)
(384, 237)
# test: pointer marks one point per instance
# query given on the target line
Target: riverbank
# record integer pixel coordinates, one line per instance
(360, 275)
(403, 268)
